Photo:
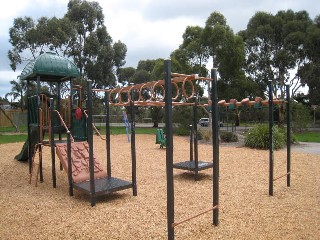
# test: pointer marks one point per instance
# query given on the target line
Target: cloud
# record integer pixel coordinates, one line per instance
(5, 78)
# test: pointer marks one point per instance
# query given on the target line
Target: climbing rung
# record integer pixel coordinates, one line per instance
(288, 173)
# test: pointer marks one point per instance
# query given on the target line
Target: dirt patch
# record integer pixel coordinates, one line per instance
(246, 209)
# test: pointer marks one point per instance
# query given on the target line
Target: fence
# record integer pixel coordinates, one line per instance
(18, 117)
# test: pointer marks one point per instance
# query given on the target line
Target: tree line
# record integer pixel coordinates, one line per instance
(282, 47)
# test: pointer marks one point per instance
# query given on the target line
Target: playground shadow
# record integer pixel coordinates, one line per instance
(190, 176)
(103, 198)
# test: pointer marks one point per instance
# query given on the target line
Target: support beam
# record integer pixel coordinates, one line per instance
(133, 149)
(169, 149)
(288, 135)
(108, 134)
(215, 146)
(90, 142)
(271, 147)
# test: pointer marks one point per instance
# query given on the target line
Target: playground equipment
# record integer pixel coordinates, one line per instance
(160, 138)
(161, 95)
(193, 164)
(46, 116)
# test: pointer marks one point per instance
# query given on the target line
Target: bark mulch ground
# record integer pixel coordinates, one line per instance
(246, 209)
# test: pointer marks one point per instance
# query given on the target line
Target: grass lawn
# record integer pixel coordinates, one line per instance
(12, 138)
(6, 137)
(308, 137)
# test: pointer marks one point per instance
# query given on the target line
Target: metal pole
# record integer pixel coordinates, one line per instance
(38, 123)
(191, 143)
(58, 106)
(169, 149)
(53, 154)
(288, 136)
(108, 134)
(270, 138)
(90, 141)
(69, 163)
(215, 147)
(29, 128)
(133, 149)
(195, 136)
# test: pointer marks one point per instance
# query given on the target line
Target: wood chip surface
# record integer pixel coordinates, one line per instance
(246, 209)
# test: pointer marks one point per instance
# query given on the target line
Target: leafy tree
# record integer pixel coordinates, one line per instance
(80, 35)
(275, 48)
(195, 50)
(18, 90)
(310, 72)
(20, 41)
(91, 48)
(301, 117)
(214, 35)
(125, 74)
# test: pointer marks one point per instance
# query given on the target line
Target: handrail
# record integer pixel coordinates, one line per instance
(63, 123)
(94, 127)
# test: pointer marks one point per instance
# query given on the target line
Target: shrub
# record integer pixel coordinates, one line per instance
(258, 137)
(228, 137)
(300, 117)
(205, 135)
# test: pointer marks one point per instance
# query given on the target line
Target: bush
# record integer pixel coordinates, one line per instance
(258, 137)
(205, 135)
(228, 137)
(301, 117)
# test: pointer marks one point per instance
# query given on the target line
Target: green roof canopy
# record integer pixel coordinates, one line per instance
(51, 68)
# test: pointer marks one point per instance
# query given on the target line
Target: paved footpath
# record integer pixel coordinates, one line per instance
(306, 147)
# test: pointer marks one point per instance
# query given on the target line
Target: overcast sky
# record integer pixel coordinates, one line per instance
(150, 28)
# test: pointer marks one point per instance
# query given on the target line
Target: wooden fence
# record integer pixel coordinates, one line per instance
(18, 117)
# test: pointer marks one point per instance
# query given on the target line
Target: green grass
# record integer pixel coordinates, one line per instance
(308, 137)
(8, 138)
(22, 129)
(12, 138)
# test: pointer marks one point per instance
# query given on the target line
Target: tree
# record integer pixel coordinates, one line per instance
(91, 48)
(18, 90)
(125, 74)
(80, 35)
(310, 72)
(194, 49)
(275, 48)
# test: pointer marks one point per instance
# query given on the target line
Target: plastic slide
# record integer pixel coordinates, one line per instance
(23, 155)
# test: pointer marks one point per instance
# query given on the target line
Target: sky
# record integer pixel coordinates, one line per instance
(150, 29)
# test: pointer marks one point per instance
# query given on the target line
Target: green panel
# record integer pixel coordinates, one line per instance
(50, 67)
(79, 127)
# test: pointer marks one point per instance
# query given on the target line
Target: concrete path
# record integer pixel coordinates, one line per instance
(306, 147)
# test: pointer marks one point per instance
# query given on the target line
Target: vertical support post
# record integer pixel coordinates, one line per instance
(169, 149)
(215, 146)
(69, 163)
(53, 155)
(58, 105)
(191, 143)
(29, 128)
(270, 138)
(58, 109)
(133, 148)
(90, 141)
(195, 136)
(71, 102)
(40, 160)
(38, 123)
(288, 136)
(108, 134)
